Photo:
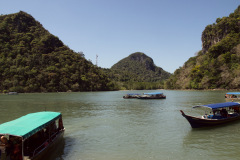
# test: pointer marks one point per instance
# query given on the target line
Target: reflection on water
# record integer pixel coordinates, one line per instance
(57, 152)
(214, 143)
(104, 126)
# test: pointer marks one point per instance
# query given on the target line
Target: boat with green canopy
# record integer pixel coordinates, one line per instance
(30, 136)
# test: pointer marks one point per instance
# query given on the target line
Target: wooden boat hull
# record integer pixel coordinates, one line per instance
(151, 97)
(196, 122)
(130, 97)
(50, 148)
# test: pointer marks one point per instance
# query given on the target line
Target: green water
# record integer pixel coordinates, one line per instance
(104, 126)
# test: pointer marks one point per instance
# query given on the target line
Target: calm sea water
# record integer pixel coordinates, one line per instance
(104, 126)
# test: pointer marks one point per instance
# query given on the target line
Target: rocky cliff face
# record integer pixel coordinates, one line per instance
(143, 60)
(216, 32)
(217, 65)
(211, 37)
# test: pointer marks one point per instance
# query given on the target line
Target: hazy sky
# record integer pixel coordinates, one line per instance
(168, 31)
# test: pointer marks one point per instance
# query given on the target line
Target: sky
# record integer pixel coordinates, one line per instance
(168, 31)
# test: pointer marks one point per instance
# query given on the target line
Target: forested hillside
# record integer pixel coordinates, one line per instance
(217, 65)
(137, 71)
(33, 60)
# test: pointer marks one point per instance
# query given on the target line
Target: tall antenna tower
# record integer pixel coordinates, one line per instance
(96, 60)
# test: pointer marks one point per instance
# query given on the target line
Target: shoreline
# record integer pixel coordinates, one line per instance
(132, 90)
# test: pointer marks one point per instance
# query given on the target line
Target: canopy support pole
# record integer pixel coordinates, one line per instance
(22, 148)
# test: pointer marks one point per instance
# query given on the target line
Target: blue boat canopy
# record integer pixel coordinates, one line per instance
(29, 124)
(220, 105)
(132, 94)
(233, 93)
(155, 93)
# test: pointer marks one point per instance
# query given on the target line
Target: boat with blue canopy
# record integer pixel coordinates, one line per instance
(220, 113)
(154, 95)
(131, 95)
(30, 136)
(232, 95)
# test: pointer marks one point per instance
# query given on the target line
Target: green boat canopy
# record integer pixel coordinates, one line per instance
(29, 124)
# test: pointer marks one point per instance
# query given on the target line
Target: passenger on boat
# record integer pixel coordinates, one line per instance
(60, 124)
(226, 96)
(15, 148)
(3, 145)
(236, 109)
(224, 113)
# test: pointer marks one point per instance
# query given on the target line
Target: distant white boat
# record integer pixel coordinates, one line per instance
(12, 93)
(155, 95)
(131, 95)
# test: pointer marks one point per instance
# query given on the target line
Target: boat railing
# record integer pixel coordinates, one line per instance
(53, 136)
(211, 116)
(42, 146)
(45, 143)
(219, 116)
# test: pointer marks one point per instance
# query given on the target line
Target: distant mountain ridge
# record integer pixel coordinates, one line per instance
(33, 60)
(140, 68)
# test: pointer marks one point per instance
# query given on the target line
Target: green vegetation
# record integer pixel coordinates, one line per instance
(33, 60)
(217, 65)
(137, 71)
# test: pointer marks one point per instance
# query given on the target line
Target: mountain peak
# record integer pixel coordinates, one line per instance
(138, 56)
(34, 60)
(141, 66)
(143, 59)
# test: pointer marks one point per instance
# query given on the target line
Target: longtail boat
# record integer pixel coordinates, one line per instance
(220, 113)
